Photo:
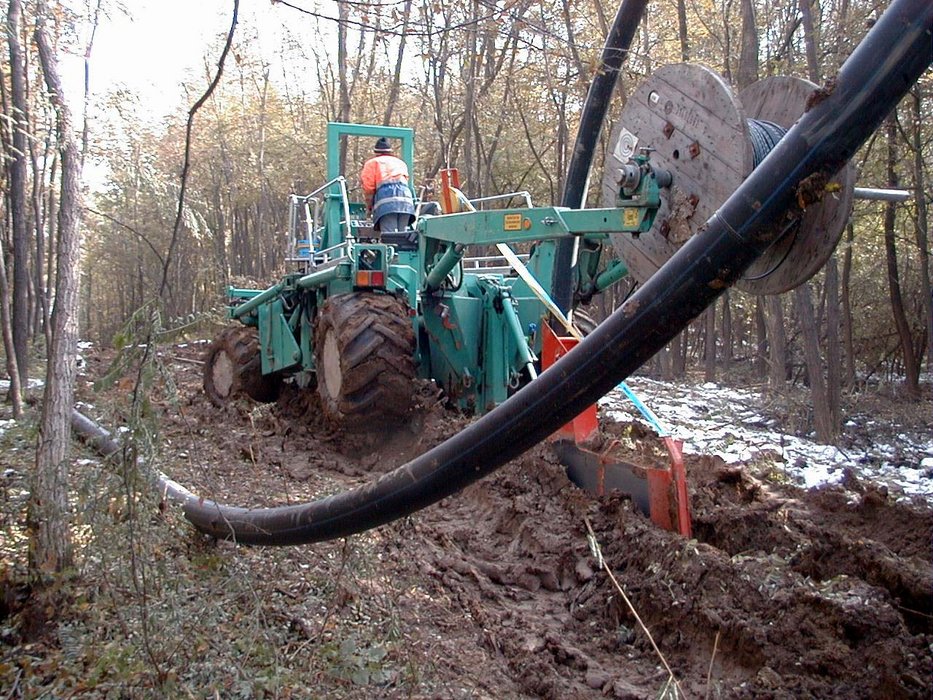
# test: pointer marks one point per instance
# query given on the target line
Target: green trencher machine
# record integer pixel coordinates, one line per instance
(363, 314)
(466, 296)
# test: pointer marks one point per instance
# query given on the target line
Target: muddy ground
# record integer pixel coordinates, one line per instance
(498, 592)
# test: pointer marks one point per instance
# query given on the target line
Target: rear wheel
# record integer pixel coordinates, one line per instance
(232, 368)
(363, 352)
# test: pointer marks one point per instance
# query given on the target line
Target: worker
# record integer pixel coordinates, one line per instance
(385, 186)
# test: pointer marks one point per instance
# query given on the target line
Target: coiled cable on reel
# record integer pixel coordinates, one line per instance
(764, 136)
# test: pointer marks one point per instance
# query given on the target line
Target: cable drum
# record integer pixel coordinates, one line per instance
(710, 140)
(773, 105)
(695, 125)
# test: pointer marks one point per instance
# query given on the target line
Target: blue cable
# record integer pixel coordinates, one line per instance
(645, 411)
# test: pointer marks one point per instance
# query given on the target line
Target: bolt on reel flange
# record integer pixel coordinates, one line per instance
(710, 139)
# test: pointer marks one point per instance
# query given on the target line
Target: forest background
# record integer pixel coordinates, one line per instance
(114, 215)
(492, 88)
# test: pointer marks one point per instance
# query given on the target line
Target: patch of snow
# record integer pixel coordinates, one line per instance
(728, 423)
(31, 384)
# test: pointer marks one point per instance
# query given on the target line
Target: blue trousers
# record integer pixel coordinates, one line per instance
(394, 222)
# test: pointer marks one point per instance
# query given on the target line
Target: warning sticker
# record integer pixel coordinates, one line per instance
(631, 218)
(513, 222)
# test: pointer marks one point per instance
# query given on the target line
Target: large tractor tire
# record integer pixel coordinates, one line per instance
(364, 356)
(232, 368)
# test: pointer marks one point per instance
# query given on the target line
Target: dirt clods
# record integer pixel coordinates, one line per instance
(500, 593)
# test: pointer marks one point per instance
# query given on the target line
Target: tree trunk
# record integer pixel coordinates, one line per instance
(343, 9)
(40, 311)
(826, 402)
(680, 354)
(727, 339)
(666, 362)
(747, 72)
(51, 541)
(710, 355)
(833, 359)
(922, 225)
(826, 430)
(777, 343)
(726, 11)
(809, 39)
(17, 192)
(16, 389)
(761, 339)
(397, 75)
(469, 116)
(682, 30)
(847, 308)
(911, 366)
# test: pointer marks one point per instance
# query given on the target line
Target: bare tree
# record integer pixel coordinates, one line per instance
(747, 72)
(824, 393)
(399, 59)
(709, 366)
(16, 390)
(922, 223)
(682, 30)
(911, 366)
(826, 429)
(17, 191)
(777, 343)
(48, 508)
(343, 115)
(847, 307)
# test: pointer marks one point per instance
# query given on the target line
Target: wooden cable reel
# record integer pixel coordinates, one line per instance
(709, 139)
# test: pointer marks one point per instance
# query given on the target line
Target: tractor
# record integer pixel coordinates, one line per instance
(363, 313)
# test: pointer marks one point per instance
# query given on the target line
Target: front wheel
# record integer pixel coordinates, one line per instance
(232, 367)
(364, 357)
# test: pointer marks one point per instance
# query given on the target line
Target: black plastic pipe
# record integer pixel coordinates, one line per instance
(592, 119)
(888, 61)
(101, 440)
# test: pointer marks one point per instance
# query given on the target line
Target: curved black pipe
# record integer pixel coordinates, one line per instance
(101, 440)
(888, 61)
(592, 119)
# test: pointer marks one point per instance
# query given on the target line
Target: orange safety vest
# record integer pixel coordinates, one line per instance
(381, 169)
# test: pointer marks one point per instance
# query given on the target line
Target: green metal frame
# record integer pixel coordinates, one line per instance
(337, 130)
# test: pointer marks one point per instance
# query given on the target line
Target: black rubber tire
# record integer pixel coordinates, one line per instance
(232, 368)
(364, 348)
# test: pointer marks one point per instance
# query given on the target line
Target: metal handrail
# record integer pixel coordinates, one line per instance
(344, 197)
(495, 197)
(496, 270)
